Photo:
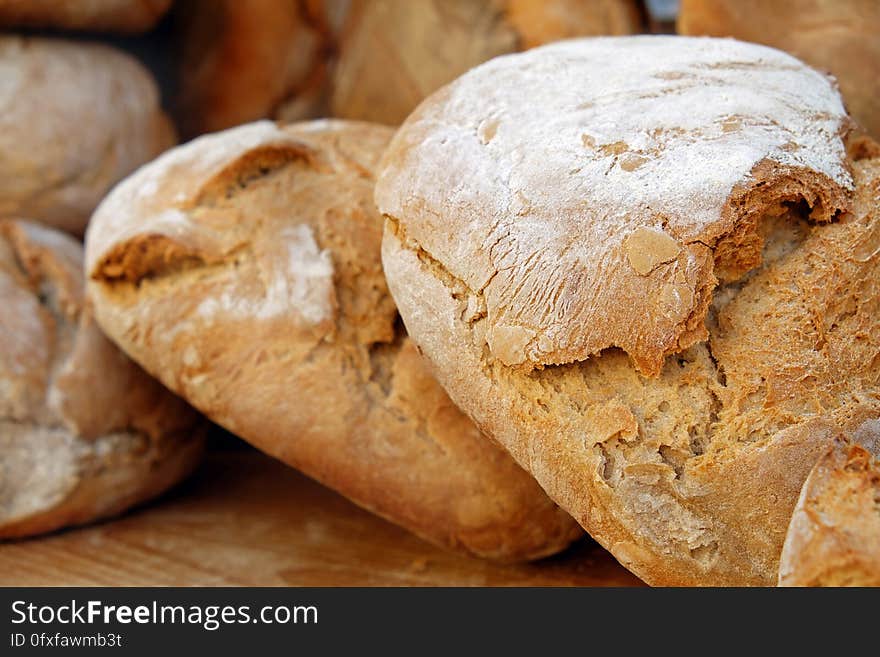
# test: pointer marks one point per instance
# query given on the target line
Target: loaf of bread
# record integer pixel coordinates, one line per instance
(84, 432)
(834, 536)
(657, 287)
(393, 53)
(840, 36)
(76, 119)
(121, 16)
(241, 60)
(243, 269)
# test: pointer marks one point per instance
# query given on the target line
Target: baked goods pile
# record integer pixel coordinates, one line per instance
(622, 284)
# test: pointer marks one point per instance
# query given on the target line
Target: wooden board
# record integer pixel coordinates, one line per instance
(245, 519)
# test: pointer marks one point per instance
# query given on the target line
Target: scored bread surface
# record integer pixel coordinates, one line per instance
(84, 432)
(243, 270)
(657, 287)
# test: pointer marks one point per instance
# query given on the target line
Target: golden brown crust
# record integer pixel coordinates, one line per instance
(122, 16)
(394, 53)
(84, 432)
(76, 118)
(834, 535)
(249, 281)
(839, 36)
(689, 477)
(241, 60)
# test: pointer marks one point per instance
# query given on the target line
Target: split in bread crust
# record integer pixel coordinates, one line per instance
(243, 270)
(664, 310)
(84, 432)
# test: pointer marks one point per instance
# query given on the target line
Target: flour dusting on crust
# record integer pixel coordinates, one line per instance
(526, 177)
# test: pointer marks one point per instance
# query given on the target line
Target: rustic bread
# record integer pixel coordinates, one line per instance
(241, 60)
(834, 536)
(635, 285)
(840, 36)
(84, 432)
(393, 53)
(76, 119)
(121, 16)
(243, 270)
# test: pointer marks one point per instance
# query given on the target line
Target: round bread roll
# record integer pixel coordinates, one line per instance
(242, 60)
(840, 36)
(834, 536)
(84, 432)
(76, 119)
(122, 16)
(393, 53)
(243, 269)
(655, 287)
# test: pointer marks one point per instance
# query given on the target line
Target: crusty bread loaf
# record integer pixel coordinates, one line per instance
(122, 16)
(840, 36)
(76, 118)
(393, 53)
(242, 59)
(84, 432)
(635, 285)
(834, 536)
(243, 270)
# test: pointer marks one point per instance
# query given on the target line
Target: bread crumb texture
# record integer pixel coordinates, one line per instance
(84, 432)
(243, 270)
(668, 349)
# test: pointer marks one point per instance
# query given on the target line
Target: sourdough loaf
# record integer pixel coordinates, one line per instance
(243, 270)
(75, 119)
(647, 267)
(84, 432)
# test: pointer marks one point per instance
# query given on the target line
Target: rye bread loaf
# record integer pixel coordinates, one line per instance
(834, 535)
(839, 36)
(640, 265)
(84, 432)
(394, 53)
(243, 270)
(121, 16)
(75, 119)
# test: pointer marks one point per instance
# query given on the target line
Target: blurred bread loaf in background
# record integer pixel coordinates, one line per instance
(372, 60)
(834, 535)
(838, 36)
(84, 432)
(242, 59)
(118, 16)
(394, 53)
(76, 118)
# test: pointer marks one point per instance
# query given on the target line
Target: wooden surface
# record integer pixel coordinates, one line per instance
(245, 519)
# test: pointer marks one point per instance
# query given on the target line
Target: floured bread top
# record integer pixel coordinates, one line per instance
(593, 192)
